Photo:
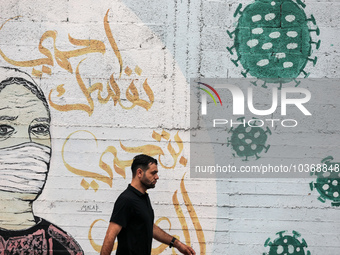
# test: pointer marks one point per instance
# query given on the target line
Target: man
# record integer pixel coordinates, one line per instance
(25, 151)
(132, 217)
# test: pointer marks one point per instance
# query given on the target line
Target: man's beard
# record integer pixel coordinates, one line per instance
(147, 184)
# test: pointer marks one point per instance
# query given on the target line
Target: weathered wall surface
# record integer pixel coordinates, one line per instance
(116, 78)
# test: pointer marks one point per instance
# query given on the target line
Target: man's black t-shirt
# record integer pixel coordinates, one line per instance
(134, 213)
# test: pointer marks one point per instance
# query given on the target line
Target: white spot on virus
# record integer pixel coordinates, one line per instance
(290, 18)
(252, 43)
(263, 62)
(291, 46)
(280, 249)
(280, 55)
(274, 35)
(292, 34)
(267, 46)
(336, 194)
(287, 64)
(273, 3)
(256, 18)
(257, 31)
(269, 16)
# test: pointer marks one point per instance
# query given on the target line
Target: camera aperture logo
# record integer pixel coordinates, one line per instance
(280, 103)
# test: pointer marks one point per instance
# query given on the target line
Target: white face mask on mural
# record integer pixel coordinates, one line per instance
(24, 167)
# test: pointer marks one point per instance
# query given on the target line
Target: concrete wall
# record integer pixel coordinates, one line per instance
(140, 55)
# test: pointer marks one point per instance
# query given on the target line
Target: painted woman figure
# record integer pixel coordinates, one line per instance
(25, 151)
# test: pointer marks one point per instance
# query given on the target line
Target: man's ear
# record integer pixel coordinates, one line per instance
(139, 172)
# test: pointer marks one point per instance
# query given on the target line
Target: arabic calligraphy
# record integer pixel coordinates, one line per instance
(119, 165)
(194, 219)
(62, 58)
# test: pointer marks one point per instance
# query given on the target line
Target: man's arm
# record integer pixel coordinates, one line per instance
(164, 237)
(111, 234)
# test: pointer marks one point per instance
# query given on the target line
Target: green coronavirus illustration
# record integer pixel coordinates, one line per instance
(273, 40)
(249, 140)
(287, 244)
(328, 181)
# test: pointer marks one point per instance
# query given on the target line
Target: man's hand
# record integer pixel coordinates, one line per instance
(184, 249)
(164, 237)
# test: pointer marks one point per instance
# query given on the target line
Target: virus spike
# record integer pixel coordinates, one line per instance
(322, 199)
(267, 242)
(301, 3)
(313, 60)
(311, 186)
(297, 82)
(257, 157)
(317, 30)
(235, 61)
(245, 73)
(280, 87)
(316, 43)
(312, 19)
(304, 244)
(308, 253)
(305, 73)
(268, 131)
(327, 159)
(296, 234)
(238, 10)
(264, 85)
(337, 204)
(254, 83)
(266, 147)
(281, 233)
(230, 33)
(230, 49)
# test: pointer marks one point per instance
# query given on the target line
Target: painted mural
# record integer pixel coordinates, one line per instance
(25, 160)
(85, 86)
(273, 40)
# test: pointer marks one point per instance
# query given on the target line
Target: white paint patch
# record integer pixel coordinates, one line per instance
(267, 46)
(257, 31)
(256, 18)
(280, 55)
(291, 46)
(263, 62)
(292, 34)
(269, 16)
(290, 18)
(274, 35)
(287, 64)
(252, 43)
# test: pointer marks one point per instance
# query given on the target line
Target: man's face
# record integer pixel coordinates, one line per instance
(150, 176)
(23, 118)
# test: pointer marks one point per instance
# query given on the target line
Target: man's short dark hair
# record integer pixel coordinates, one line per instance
(142, 161)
